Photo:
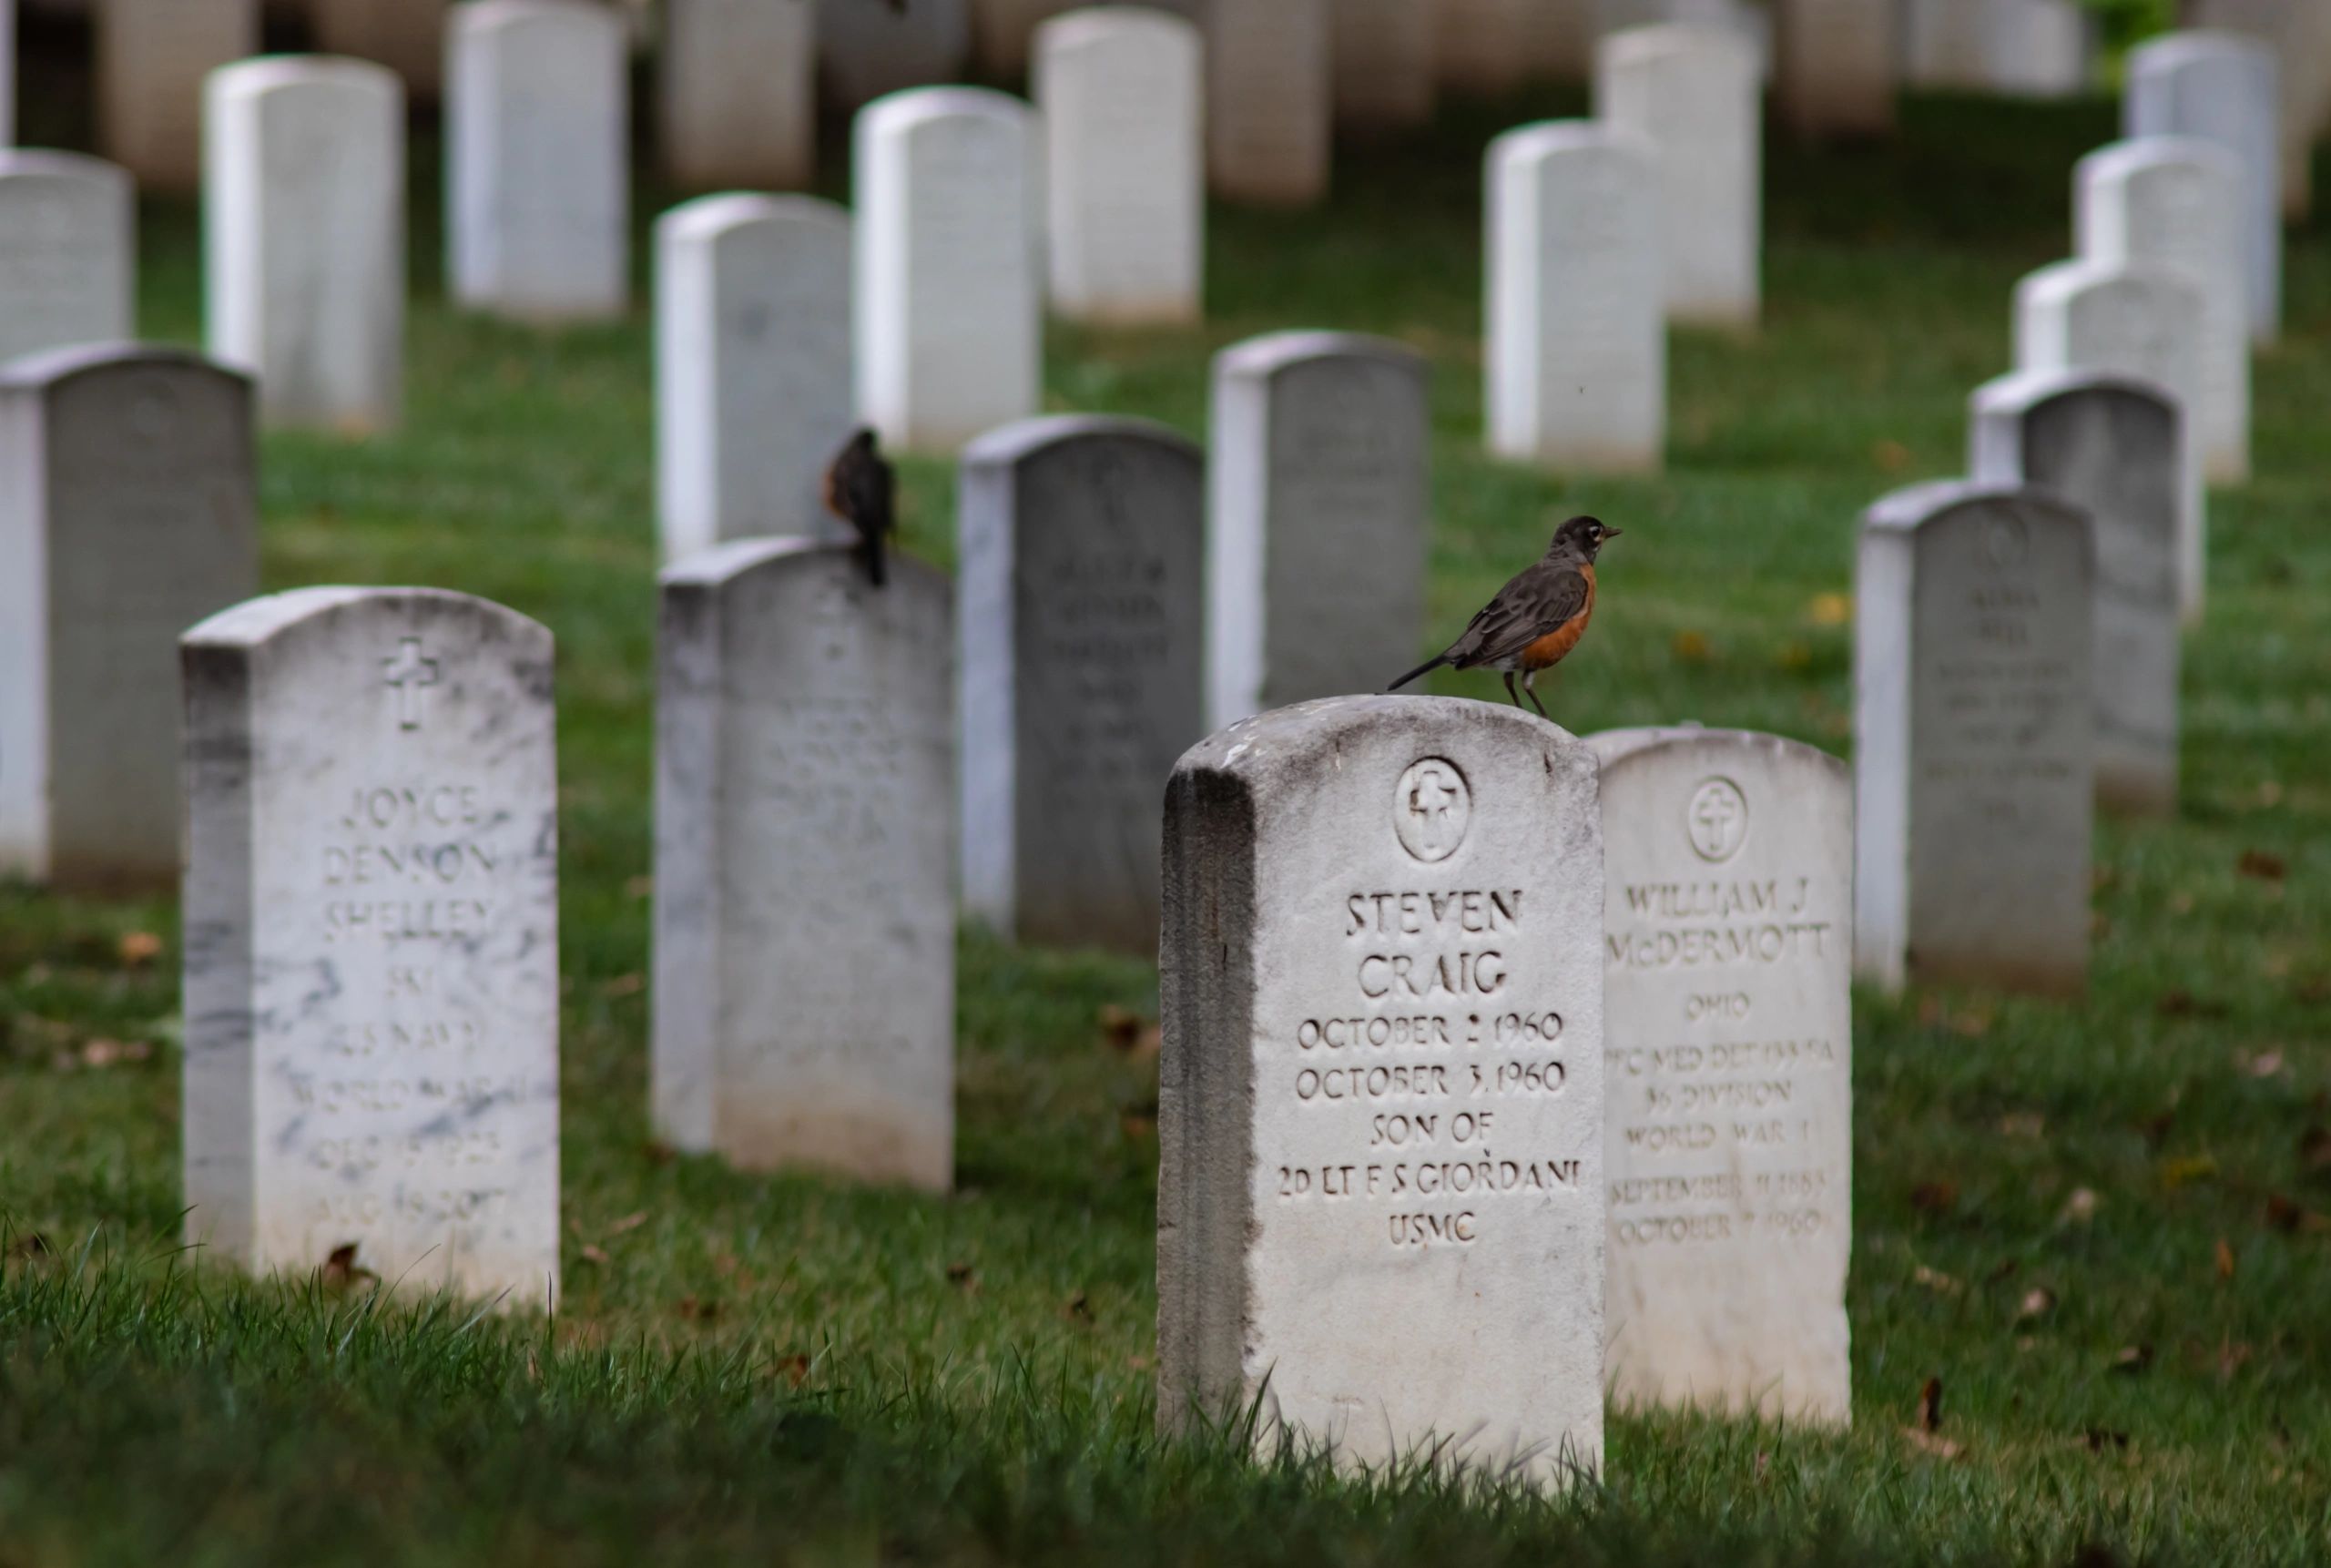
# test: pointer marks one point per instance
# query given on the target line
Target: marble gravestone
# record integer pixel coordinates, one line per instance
(1727, 1072)
(1947, 43)
(68, 253)
(752, 367)
(372, 939)
(1383, 58)
(408, 36)
(739, 104)
(2299, 34)
(1269, 102)
(1974, 739)
(2175, 202)
(868, 51)
(128, 511)
(2040, 48)
(1691, 94)
(2136, 321)
(947, 304)
(1483, 46)
(1388, 910)
(1081, 670)
(1576, 353)
(2112, 447)
(2221, 89)
(1120, 90)
(804, 739)
(1316, 536)
(303, 238)
(152, 58)
(537, 187)
(1834, 68)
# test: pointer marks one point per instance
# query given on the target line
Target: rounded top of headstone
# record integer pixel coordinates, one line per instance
(708, 216)
(1009, 445)
(255, 622)
(1091, 25)
(2019, 392)
(50, 163)
(1664, 40)
(1286, 743)
(724, 565)
(2062, 282)
(918, 105)
(1912, 508)
(1614, 747)
(276, 73)
(1272, 352)
(2137, 155)
(1552, 138)
(49, 367)
(2191, 45)
(491, 15)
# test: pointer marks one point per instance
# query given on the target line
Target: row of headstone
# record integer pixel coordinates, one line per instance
(2022, 48)
(2223, 90)
(1482, 1040)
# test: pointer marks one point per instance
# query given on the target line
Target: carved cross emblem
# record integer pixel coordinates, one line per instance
(1718, 821)
(1432, 809)
(410, 675)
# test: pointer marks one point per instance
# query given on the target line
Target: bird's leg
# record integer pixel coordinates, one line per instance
(1513, 696)
(1530, 684)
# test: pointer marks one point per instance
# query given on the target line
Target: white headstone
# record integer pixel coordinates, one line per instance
(2175, 202)
(2218, 87)
(1316, 536)
(1973, 738)
(2139, 321)
(303, 238)
(2299, 34)
(151, 58)
(1119, 89)
(372, 939)
(537, 187)
(2040, 48)
(1727, 1077)
(68, 253)
(2112, 447)
(1835, 64)
(1691, 94)
(948, 337)
(804, 741)
(1081, 670)
(868, 50)
(406, 35)
(1947, 43)
(1485, 46)
(1384, 62)
(1576, 350)
(1380, 1094)
(752, 367)
(1269, 101)
(740, 101)
(128, 512)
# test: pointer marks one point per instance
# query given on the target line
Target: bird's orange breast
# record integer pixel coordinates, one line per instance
(1554, 646)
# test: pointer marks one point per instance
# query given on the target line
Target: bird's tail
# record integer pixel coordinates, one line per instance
(877, 562)
(1425, 669)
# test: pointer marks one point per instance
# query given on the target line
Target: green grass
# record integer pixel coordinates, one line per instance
(783, 1370)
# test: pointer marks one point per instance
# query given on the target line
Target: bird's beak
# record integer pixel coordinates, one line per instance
(1613, 533)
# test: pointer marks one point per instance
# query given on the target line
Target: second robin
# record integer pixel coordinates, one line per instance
(860, 490)
(1536, 619)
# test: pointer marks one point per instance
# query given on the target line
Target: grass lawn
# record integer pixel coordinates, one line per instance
(2095, 1222)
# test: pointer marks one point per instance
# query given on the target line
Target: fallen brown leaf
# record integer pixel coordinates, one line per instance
(659, 1153)
(638, 887)
(2079, 1208)
(2314, 1147)
(2133, 1359)
(623, 985)
(1078, 1310)
(794, 1369)
(1934, 1280)
(963, 1276)
(1137, 1126)
(1931, 1405)
(139, 948)
(2099, 1439)
(1928, 1444)
(1690, 648)
(2265, 1064)
(28, 1246)
(2038, 1302)
(101, 1053)
(2185, 1005)
(2265, 867)
(2187, 1170)
(2291, 1217)
(2230, 1358)
(629, 1222)
(2225, 1260)
(1891, 456)
(2022, 1124)
(1935, 1197)
(1129, 1034)
(1830, 609)
(595, 1254)
(697, 1311)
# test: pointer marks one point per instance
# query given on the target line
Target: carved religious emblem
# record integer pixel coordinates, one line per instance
(1431, 808)
(1717, 821)
(409, 674)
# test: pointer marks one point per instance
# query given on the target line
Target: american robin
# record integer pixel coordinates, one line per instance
(1536, 619)
(860, 487)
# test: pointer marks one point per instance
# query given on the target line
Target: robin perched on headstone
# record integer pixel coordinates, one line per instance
(859, 489)
(1536, 619)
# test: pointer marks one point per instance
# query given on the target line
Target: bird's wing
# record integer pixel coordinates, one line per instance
(1542, 599)
(867, 492)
